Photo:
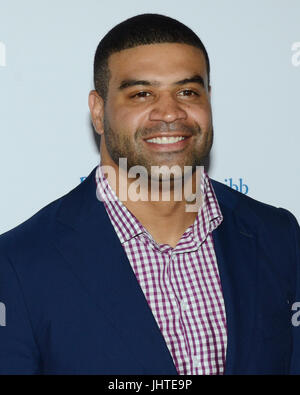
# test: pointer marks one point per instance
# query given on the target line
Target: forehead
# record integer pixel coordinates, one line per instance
(161, 62)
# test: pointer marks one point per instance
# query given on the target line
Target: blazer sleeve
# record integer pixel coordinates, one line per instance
(295, 241)
(18, 350)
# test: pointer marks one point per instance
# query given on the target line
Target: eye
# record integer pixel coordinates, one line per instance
(141, 94)
(188, 92)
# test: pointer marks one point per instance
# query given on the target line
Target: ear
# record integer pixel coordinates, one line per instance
(96, 105)
(209, 92)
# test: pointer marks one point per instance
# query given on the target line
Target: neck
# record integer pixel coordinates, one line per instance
(165, 209)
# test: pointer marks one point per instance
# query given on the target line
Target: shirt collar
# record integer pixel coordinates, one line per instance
(128, 226)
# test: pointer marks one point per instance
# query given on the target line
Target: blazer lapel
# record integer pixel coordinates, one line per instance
(235, 247)
(93, 253)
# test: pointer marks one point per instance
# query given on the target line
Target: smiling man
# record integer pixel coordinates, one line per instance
(170, 272)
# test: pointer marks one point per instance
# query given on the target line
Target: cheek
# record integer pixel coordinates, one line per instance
(126, 119)
(202, 116)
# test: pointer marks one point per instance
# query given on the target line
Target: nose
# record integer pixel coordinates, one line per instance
(167, 109)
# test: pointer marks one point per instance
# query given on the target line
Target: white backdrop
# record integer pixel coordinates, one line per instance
(46, 65)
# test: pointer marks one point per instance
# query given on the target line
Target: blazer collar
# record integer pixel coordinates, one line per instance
(80, 203)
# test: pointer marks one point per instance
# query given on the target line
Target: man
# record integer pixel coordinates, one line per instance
(101, 282)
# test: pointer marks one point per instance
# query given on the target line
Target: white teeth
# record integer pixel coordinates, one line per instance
(165, 140)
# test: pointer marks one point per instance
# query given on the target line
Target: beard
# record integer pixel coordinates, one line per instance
(121, 145)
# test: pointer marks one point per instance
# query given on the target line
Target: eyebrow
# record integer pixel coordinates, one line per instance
(131, 82)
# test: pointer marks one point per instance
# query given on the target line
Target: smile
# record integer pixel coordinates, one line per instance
(165, 140)
(167, 144)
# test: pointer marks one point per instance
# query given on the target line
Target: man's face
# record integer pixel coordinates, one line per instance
(157, 91)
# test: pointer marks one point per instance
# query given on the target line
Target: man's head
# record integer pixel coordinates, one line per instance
(151, 78)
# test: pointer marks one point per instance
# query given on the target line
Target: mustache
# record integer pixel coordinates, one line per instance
(168, 127)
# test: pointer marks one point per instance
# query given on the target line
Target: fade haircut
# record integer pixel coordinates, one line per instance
(142, 29)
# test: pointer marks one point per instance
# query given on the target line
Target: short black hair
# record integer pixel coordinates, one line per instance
(141, 29)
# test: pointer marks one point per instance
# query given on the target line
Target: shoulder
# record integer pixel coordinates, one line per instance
(254, 210)
(274, 230)
(39, 228)
(31, 232)
(37, 232)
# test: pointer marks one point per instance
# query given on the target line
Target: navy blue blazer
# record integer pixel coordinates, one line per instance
(74, 305)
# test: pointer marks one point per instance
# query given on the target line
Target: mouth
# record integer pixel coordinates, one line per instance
(167, 143)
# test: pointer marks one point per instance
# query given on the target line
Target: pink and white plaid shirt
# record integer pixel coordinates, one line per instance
(181, 284)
